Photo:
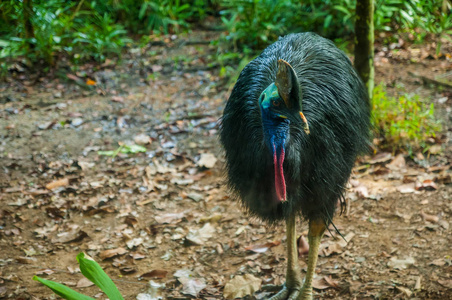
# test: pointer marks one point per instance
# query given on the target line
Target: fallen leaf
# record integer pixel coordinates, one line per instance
(118, 99)
(169, 218)
(85, 165)
(406, 188)
(401, 264)
(142, 139)
(193, 286)
(90, 82)
(128, 270)
(200, 236)
(134, 243)
(362, 191)
(211, 219)
(303, 246)
(84, 282)
(26, 260)
(57, 183)
(153, 292)
(446, 283)
(427, 185)
(380, 158)
(241, 286)
(70, 236)
(206, 160)
(195, 196)
(155, 274)
(112, 253)
(405, 290)
(435, 149)
(438, 262)
(190, 285)
(397, 163)
(417, 285)
(45, 272)
(324, 283)
(263, 247)
(429, 218)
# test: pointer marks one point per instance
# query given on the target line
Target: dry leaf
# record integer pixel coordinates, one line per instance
(435, 149)
(200, 236)
(155, 274)
(446, 283)
(302, 246)
(380, 158)
(429, 218)
(193, 286)
(57, 183)
(26, 260)
(405, 290)
(241, 286)
(438, 262)
(262, 248)
(406, 188)
(397, 163)
(84, 282)
(153, 293)
(401, 264)
(90, 82)
(112, 253)
(46, 272)
(427, 185)
(70, 236)
(207, 160)
(169, 218)
(324, 283)
(417, 285)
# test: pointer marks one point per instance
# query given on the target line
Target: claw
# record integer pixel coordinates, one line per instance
(286, 294)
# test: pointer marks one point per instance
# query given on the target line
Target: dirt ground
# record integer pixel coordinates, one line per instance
(165, 215)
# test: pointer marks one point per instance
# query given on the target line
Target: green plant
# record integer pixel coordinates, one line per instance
(403, 122)
(92, 271)
(100, 38)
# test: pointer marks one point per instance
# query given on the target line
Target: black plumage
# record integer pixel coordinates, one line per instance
(317, 165)
(295, 121)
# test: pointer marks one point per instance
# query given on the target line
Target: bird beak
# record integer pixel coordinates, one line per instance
(306, 125)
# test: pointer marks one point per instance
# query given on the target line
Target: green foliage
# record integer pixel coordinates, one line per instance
(87, 29)
(92, 271)
(126, 149)
(403, 122)
(99, 39)
(256, 23)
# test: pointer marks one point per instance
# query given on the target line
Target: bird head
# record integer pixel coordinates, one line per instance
(280, 105)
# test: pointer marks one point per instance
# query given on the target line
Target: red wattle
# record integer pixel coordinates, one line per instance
(280, 182)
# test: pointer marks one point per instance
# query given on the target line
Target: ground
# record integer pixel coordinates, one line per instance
(165, 214)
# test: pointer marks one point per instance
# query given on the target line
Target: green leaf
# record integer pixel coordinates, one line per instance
(91, 270)
(62, 290)
(133, 149)
(106, 153)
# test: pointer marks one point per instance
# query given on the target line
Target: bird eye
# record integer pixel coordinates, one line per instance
(276, 103)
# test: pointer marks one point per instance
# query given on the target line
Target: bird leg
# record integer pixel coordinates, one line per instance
(291, 288)
(316, 230)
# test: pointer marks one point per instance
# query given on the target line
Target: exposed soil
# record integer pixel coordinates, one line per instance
(170, 213)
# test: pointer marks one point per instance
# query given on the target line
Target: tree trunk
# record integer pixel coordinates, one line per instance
(364, 42)
(27, 13)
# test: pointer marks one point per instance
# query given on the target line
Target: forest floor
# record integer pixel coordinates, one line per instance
(165, 215)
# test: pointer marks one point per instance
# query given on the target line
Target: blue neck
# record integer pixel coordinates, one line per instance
(275, 131)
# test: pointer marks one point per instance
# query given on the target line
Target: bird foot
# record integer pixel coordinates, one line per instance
(286, 293)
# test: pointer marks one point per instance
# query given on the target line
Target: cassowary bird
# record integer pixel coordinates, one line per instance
(295, 121)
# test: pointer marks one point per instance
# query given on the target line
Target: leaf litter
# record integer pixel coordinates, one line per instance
(160, 206)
